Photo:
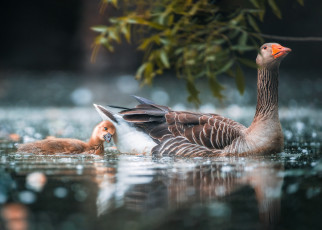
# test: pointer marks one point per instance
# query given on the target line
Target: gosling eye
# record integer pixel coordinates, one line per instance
(105, 128)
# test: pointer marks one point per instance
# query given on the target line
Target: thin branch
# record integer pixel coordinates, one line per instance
(296, 39)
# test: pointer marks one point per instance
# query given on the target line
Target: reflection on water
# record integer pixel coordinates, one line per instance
(143, 185)
(122, 191)
(15, 216)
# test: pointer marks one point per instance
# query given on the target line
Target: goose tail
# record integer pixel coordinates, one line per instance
(105, 114)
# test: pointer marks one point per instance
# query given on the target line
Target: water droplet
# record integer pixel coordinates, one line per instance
(60, 192)
(207, 108)
(81, 96)
(220, 190)
(80, 195)
(273, 192)
(127, 84)
(305, 151)
(299, 127)
(28, 139)
(288, 134)
(3, 198)
(226, 168)
(29, 130)
(311, 192)
(219, 210)
(292, 188)
(79, 167)
(36, 181)
(27, 197)
(160, 96)
(38, 136)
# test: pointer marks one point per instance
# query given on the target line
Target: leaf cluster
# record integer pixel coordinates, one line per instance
(197, 38)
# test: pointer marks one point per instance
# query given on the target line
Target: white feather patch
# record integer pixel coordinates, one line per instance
(128, 139)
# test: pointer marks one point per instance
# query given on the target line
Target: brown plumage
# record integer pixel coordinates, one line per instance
(102, 132)
(195, 134)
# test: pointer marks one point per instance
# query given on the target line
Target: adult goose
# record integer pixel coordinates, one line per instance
(165, 132)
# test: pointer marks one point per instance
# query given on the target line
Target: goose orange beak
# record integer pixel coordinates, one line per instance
(278, 50)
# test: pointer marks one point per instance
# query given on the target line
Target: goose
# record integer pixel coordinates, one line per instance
(104, 131)
(164, 132)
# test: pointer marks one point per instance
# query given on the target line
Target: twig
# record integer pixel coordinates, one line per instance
(296, 39)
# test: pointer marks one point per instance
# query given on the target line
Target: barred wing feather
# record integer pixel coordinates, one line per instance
(184, 133)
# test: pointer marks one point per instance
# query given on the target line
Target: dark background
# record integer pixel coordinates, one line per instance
(50, 35)
(46, 46)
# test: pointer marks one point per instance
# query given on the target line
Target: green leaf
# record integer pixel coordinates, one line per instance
(100, 28)
(243, 48)
(253, 23)
(216, 88)
(247, 62)
(101, 39)
(114, 2)
(230, 73)
(164, 58)
(193, 92)
(243, 39)
(218, 41)
(113, 34)
(140, 71)
(240, 79)
(170, 19)
(255, 3)
(146, 42)
(210, 58)
(108, 46)
(261, 15)
(275, 8)
(253, 11)
(137, 20)
(194, 9)
(125, 30)
(200, 39)
(301, 2)
(148, 73)
(225, 67)
(259, 37)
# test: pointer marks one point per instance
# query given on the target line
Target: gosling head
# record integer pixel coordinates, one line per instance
(105, 131)
(271, 55)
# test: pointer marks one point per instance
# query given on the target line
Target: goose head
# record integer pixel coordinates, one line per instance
(104, 131)
(271, 54)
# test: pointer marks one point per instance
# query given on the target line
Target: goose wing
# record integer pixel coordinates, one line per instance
(209, 130)
(175, 130)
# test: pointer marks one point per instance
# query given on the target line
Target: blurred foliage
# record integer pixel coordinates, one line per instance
(197, 38)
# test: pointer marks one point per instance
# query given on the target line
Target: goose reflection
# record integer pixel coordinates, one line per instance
(180, 184)
(218, 180)
(107, 189)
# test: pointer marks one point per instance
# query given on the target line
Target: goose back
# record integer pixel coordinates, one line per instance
(178, 130)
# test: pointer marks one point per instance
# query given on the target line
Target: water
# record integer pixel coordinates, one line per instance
(120, 191)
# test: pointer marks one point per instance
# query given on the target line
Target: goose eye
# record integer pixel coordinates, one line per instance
(105, 128)
(265, 47)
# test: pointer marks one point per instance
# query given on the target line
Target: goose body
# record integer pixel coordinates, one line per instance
(191, 134)
(102, 132)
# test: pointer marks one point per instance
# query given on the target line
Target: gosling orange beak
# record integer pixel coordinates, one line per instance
(278, 50)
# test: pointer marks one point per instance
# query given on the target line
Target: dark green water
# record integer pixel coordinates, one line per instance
(118, 191)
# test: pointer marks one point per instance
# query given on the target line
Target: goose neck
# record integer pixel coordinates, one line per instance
(267, 93)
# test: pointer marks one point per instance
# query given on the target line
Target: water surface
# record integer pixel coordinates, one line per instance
(120, 191)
